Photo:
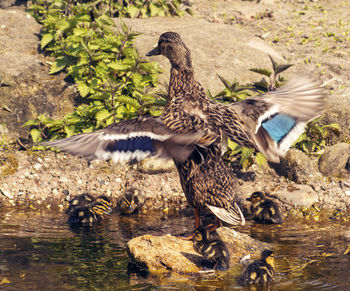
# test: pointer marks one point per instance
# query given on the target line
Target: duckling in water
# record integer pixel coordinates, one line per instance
(82, 200)
(259, 272)
(264, 209)
(214, 251)
(90, 215)
(128, 203)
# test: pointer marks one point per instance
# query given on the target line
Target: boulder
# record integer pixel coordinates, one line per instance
(297, 166)
(334, 159)
(298, 195)
(169, 253)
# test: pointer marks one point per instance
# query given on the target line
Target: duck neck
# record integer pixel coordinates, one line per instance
(183, 84)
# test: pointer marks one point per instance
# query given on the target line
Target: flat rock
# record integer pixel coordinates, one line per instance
(298, 195)
(334, 159)
(169, 253)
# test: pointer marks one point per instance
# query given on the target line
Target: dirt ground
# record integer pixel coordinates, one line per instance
(226, 38)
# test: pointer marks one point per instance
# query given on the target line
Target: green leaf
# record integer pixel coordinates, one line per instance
(58, 65)
(282, 68)
(261, 159)
(30, 123)
(261, 71)
(46, 39)
(102, 115)
(35, 134)
(83, 89)
(246, 154)
(132, 11)
(333, 126)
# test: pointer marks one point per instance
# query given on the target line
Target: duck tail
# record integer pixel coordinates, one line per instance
(233, 216)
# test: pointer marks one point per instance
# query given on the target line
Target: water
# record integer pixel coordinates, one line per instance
(38, 251)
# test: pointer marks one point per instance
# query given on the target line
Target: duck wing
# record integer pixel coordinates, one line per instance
(273, 121)
(128, 140)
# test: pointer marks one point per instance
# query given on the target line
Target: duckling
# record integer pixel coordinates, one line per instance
(259, 272)
(264, 209)
(128, 203)
(90, 215)
(81, 200)
(214, 251)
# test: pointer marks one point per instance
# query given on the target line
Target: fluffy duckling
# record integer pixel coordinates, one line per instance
(259, 272)
(90, 215)
(128, 203)
(82, 200)
(264, 209)
(214, 251)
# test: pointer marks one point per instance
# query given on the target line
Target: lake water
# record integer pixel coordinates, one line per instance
(38, 251)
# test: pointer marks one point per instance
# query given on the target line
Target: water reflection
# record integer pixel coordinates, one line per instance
(38, 251)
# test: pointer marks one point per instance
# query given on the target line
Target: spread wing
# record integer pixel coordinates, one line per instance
(273, 121)
(128, 140)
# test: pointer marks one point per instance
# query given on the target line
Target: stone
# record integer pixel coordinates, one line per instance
(169, 253)
(297, 195)
(297, 166)
(153, 165)
(334, 159)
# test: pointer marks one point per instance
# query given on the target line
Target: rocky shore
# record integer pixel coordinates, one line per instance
(45, 180)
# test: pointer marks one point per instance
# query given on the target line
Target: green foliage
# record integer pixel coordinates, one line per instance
(112, 8)
(316, 136)
(111, 77)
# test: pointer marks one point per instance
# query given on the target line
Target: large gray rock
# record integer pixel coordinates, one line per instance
(334, 159)
(297, 166)
(168, 253)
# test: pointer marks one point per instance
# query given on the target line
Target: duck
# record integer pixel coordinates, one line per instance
(81, 200)
(128, 203)
(191, 130)
(260, 271)
(213, 250)
(89, 215)
(264, 209)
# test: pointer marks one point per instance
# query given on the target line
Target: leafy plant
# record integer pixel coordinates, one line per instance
(112, 79)
(316, 136)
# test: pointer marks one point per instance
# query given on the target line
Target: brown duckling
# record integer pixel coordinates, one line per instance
(264, 209)
(128, 203)
(82, 200)
(214, 251)
(260, 271)
(90, 215)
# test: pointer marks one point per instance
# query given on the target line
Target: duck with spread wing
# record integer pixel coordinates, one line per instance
(192, 127)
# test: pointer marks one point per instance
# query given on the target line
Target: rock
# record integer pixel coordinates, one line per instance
(297, 166)
(155, 165)
(334, 159)
(168, 253)
(299, 195)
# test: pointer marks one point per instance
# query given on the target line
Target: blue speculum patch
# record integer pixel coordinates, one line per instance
(278, 126)
(141, 143)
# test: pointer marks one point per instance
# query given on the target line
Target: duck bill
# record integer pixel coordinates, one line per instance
(153, 52)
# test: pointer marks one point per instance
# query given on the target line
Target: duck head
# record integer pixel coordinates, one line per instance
(172, 47)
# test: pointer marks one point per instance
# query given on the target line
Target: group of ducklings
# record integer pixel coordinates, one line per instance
(264, 210)
(216, 253)
(85, 210)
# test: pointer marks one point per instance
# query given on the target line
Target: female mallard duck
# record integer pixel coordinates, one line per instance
(191, 129)
(264, 209)
(128, 203)
(91, 214)
(81, 200)
(259, 272)
(214, 251)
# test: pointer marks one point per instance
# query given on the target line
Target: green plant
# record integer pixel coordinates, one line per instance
(316, 136)
(111, 77)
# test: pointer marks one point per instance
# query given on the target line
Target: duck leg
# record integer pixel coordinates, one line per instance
(197, 223)
(213, 226)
